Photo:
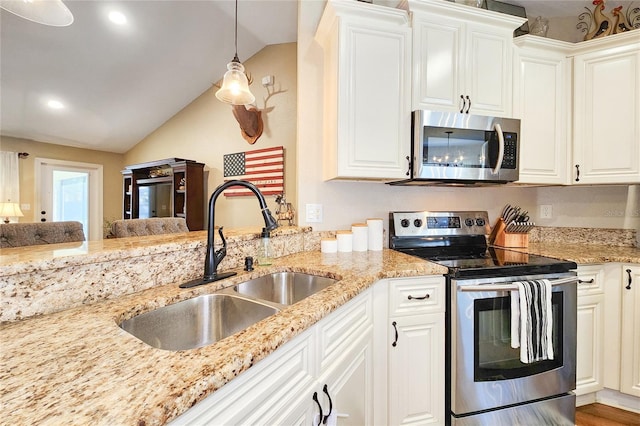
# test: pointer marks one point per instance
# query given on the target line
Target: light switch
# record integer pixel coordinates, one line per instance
(24, 207)
(314, 213)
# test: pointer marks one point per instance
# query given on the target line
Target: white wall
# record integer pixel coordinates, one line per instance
(348, 202)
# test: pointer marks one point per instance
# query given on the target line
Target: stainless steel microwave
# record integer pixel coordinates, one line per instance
(463, 148)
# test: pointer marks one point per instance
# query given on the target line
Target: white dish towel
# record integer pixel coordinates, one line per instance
(532, 320)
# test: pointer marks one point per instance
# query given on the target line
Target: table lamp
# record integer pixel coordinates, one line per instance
(8, 210)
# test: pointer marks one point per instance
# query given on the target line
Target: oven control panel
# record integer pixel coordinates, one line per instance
(437, 223)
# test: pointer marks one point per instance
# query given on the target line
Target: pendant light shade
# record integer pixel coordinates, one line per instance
(235, 87)
(46, 12)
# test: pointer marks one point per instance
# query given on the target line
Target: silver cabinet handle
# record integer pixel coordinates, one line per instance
(498, 130)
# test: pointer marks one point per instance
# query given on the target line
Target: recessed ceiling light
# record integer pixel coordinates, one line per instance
(54, 104)
(117, 18)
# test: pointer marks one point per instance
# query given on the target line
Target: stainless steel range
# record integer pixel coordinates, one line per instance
(486, 381)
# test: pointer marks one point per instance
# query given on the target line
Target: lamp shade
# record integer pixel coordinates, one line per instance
(46, 12)
(8, 210)
(235, 87)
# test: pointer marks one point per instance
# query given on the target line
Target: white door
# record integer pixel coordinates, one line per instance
(67, 190)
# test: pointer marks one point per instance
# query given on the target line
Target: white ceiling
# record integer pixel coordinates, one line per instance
(121, 83)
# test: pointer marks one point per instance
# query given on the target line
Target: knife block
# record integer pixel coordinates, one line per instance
(500, 237)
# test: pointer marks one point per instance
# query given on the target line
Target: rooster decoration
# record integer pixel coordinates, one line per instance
(597, 24)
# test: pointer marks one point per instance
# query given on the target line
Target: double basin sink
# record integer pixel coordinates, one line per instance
(205, 319)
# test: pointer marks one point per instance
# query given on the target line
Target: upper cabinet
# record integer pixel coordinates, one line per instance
(541, 99)
(605, 83)
(606, 127)
(367, 115)
(462, 58)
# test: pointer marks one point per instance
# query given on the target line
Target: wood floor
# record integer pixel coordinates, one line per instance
(604, 415)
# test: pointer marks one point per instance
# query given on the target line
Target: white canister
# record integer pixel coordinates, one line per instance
(345, 241)
(360, 236)
(375, 234)
(328, 245)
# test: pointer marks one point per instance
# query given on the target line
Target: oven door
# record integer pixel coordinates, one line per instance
(486, 371)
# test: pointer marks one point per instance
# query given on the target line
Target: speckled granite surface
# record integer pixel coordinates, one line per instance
(584, 236)
(43, 279)
(78, 367)
(585, 254)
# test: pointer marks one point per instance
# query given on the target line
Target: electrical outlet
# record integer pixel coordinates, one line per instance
(314, 213)
(546, 211)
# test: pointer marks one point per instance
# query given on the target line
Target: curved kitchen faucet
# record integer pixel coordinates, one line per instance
(214, 257)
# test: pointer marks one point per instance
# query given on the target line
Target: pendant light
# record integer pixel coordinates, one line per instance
(235, 86)
(46, 12)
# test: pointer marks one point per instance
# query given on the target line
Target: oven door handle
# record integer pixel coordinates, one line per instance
(498, 130)
(510, 287)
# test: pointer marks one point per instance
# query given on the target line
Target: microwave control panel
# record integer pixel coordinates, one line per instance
(509, 160)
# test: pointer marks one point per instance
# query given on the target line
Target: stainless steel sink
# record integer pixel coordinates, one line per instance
(285, 288)
(196, 322)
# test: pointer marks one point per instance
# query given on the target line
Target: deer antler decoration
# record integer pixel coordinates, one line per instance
(250, 118)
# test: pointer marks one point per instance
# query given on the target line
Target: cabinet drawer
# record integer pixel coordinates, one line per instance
(591, 279)
(410, 296)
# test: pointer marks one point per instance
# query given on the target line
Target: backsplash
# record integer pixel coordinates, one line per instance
(596, 236)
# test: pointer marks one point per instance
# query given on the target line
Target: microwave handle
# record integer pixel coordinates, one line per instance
(498, 130)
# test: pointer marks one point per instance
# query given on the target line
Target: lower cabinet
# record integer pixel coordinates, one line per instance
(590, 330)
(608, 335)
(332, 360)
(630, 331)
(415, 352)
(379, 359)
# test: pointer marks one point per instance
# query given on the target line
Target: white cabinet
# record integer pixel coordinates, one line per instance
(462, 58)
(606, 141)
(415, 345)
(590, 329)
(541, 99)
(345, 374)
(336, 353)
(367, 83)
(262, 392)
(630, 331)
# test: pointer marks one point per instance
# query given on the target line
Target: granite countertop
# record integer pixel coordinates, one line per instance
(585, 253)
(78, 367)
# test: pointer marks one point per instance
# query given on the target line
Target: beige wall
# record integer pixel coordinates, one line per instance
(206, 129)
(112, 178)
(348, 202)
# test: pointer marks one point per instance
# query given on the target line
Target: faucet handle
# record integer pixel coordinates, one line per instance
(221, 252)
(224, 241)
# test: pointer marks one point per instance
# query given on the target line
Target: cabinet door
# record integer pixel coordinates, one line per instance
(347, 387)
(367, 54)
(436, 64)
(488, 71)
(416, 369)
(590, 330)
(607, 107)
(345, 362)
(541, 92)
(590, 348)
(630, 348)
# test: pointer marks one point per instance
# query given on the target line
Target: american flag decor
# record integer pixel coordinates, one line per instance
(262, 167)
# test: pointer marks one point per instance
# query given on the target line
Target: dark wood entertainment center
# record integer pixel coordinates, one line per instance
(173, 187)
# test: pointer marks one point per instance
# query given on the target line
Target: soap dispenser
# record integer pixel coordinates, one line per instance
(264, 251)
